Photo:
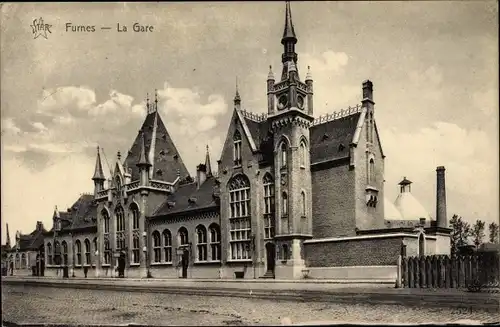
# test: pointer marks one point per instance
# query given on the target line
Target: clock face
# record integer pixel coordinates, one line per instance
(300, 102)
(282, 102)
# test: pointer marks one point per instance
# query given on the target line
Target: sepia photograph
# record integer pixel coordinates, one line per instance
(250, 163)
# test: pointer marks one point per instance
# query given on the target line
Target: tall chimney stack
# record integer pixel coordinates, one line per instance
(441, 218)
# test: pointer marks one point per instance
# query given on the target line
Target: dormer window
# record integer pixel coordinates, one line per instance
(192, 200)
(341, 147)
(176, 156)
(325, 137)
(237, 148)
(159, 172)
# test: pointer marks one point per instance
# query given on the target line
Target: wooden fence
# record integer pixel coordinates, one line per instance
(441, 271)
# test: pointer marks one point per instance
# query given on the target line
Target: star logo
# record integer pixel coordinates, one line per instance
(40, 29)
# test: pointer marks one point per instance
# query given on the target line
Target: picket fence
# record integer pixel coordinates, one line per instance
(474, 271)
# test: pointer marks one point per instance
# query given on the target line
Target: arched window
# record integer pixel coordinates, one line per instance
(107, 252)
(120, 228)
(105, 219)
(269, 222)
(371, 128)
(118, 183)
(167, 245)
(183, 237)
(65, 252)
(372, 171)
(156, 247)
(49, 253)
(57, 253)
(214, 242)
(135, 216)
(201, 244)
(284, 159)
(135, 249)
(78, 246)
(237, 148)
(303, 203)
(302, 154)
(95, 245)
(23, 260)
(284, 204)
(87, 252)
(239, 218)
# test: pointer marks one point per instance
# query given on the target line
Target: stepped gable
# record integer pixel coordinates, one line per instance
(180, 201)
(325, 137)
(166, 160)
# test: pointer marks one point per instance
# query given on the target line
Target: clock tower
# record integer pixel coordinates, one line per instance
(290, 114)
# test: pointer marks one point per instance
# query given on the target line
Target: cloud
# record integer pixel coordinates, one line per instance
(486, 101)
(328, 61)
(40, 126)
(9, 126)
(470, 164)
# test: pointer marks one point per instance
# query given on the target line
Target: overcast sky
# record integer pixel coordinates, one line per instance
(434, 66)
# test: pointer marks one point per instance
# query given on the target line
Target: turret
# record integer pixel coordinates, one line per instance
(270, 91)
(98, 177)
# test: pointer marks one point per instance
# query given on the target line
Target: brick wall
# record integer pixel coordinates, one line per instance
(333, 202)
(354, 252)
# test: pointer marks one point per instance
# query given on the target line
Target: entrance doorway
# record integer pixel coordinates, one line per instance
(185, 263)
(271, 256)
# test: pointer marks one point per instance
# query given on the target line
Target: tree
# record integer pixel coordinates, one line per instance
(460, 233)
(494, 230)
(477, 232)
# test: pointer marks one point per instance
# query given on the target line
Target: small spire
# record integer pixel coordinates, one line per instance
(208, 166)
(270, 76)
(156, 100)
(237, 98)
(289, 32)
(143, 161)
(147, 102)
(309, 76)
(98, 173)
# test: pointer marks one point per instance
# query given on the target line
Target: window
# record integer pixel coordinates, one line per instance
(372, 171)
(201, 245)
(286, 254)
(284, 203)
(239, 219)
(57, 253)
(237, 148)
(49, 253)
(183, 237)
(87, 251)
(135, 216)
(65, 252)
(135, 249)
(95, 245)
(156, 247)
(167, 245)
(78, 252)
(118, 183)
(120, 228)
(107, 252)
(302, 154)
(214, 242)
(23, 260)
(283, 155)
(105, 218)
(269, 222)
(371, 128)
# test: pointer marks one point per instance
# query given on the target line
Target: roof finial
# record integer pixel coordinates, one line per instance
(237, 98)
(208, 165)
(98, 172)
(270, 76)
(308, 76)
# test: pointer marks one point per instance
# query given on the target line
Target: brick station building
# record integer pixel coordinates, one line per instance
(292, 196)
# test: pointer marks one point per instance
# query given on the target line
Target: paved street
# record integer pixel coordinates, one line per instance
(23, 304)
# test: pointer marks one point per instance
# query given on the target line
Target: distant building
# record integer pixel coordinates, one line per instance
(27, 255)
(292, 195)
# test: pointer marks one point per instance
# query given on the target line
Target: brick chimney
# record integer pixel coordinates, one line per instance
(201, 174)
(441, 218)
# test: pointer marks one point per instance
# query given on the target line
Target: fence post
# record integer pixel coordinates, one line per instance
(428, 267)
(405, 272)
(423, 272)
(417, 272)
(410, 272)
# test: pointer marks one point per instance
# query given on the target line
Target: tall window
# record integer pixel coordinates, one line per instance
(65, 252)
(87, 251)
(95, 245)
(214, 242)
(237, 148)
(302, 154)
(283, 155)
(49, 253)
(135, 216)
(107, 252)
(105, 218)
(239, 219)
(284, 204)
(371, 128)
(372, 171)
(78, 245)
(167, 245)
(135, 249)
(120, 228)
(269, 222)
(201, 245)
(23, 260)
(183, 237)
(57, 253)
(156, 247)
(303, 203)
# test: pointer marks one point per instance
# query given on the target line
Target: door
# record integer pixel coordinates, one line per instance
(185, 263)
(271, 256)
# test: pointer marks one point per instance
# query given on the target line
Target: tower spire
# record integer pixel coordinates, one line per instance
(288, 40)
(208, 166)
(237, 98)
(98, 173)
(289, 32)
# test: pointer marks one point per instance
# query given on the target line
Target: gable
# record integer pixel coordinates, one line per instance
(248, 144)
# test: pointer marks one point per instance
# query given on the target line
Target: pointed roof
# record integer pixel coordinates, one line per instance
(98, 173)
(289, 32)
(405, 181)
(208, 166)
(159, 150)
